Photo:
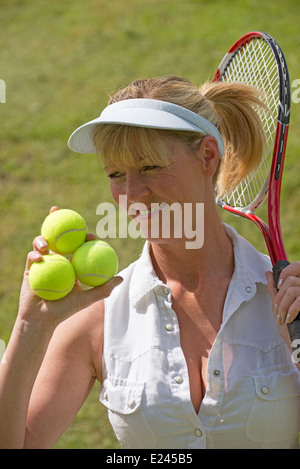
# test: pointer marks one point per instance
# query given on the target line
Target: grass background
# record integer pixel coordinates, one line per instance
(60, 60)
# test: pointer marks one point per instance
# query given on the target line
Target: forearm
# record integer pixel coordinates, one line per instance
(18, 372)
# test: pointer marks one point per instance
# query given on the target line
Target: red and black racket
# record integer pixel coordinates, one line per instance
(257, 60)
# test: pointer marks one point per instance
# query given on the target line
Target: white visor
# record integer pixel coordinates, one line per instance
(150, 113)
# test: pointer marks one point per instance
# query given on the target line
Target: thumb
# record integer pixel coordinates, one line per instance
(271, 284)
(92, 295)
(272, 292)
(108, 287)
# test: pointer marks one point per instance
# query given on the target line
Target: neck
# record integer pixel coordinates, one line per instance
(193, 267)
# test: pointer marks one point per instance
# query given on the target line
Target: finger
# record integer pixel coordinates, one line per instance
(106, 289)
(33, 256)
(290, 282)
(293, 311)
(53, 209)
(90, 237)
(40, 244)
(290, 270)
(288, 300)
(273, 293)
(286, 297)
(88, 297)
(98, 293)
(271, 285)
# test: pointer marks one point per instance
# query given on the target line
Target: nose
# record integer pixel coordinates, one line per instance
(136, 187)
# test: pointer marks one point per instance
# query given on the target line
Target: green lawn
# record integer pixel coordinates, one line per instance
(60, 60)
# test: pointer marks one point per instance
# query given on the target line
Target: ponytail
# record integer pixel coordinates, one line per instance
(236, 105)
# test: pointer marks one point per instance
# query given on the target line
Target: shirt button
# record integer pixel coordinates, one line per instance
(131, 403)
(166, 290)
(265, 390)
(198, 432)
(178, 379)
(169, 327)
(216, 372)
(248, 289)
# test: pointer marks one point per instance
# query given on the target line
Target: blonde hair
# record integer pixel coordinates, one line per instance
(231, 107)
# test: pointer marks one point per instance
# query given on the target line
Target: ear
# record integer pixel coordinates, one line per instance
(208, 154)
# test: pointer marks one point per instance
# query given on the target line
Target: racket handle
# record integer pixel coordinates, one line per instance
(294, 327)
(294, 331)
(278, 268)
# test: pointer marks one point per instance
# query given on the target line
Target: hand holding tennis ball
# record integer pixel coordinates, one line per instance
(93, 263)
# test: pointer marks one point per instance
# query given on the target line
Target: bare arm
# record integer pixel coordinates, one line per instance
(66, 377)
(22, 361)
(47, 371)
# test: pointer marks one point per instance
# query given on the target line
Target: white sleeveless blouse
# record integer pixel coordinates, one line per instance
(253, 387)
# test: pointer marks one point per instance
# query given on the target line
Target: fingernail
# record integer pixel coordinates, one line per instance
(288, 319)
(279, 319)
(280, 283)
(41, 244)
(37, 256)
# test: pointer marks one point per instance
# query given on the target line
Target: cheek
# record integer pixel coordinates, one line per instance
(116, 189)
(172, 186)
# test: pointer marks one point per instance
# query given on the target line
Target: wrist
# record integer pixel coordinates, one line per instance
(31, 326)
(29, 341)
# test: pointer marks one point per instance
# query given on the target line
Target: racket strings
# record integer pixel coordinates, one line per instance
(255, 65)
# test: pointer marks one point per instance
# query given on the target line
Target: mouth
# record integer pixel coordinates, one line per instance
(147, 213)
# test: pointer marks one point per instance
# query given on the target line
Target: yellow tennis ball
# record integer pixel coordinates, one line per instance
(95, 262)
(52, 278)
(64, 230)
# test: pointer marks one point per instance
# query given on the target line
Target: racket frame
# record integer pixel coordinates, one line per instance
(272, 186)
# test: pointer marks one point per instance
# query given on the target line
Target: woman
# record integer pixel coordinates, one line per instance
(189, 354)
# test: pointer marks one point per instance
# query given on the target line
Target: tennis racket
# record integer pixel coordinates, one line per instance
(257, 60)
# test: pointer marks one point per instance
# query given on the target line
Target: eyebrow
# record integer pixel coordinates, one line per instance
(138, 161)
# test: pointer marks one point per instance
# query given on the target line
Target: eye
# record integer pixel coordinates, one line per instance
(149, 168)
(115, 175)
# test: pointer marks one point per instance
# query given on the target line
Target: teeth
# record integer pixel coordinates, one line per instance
(155, 208)
(145, 212)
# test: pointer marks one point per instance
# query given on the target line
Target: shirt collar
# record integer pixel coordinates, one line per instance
(250, 264)
(250, 268)
(144, 277)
